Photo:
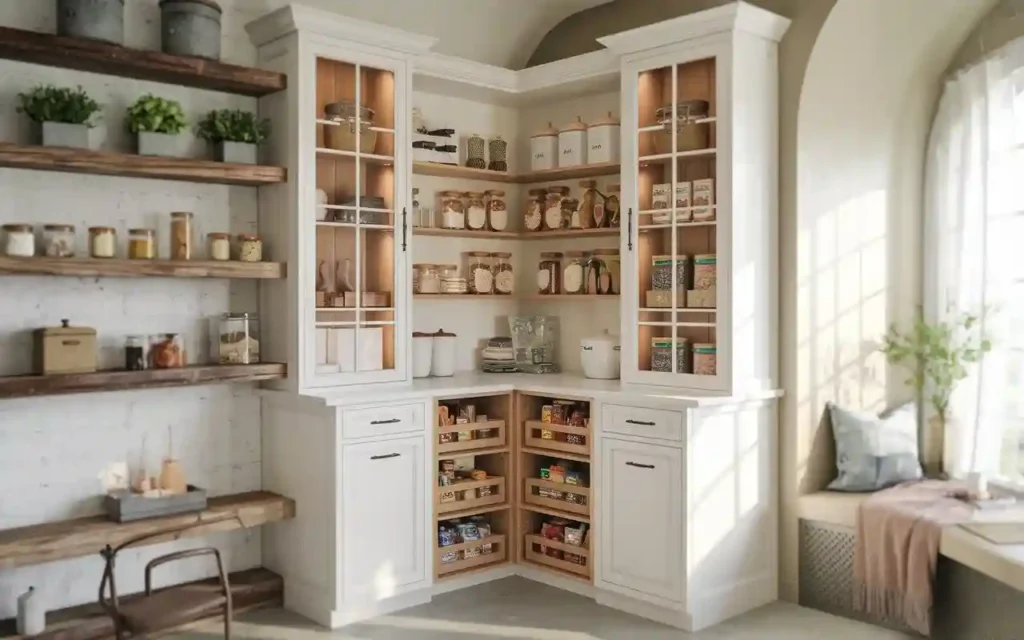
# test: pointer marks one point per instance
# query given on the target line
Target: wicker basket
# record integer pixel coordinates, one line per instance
(342, 136)
(691, 136)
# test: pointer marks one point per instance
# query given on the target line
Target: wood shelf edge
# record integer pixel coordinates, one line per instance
(126, 268)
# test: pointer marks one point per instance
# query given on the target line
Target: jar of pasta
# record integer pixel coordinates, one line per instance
(250, 248)
(574, 273)
(218, 246)
(102, 242)
(141, 244)
(553, 216)
(533, 217)
(453, 213)
(497, 211)
(476, 211)
(181, 235)
(549, 273)
(480, 277)
(504, 278)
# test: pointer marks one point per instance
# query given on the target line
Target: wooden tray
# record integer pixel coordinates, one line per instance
(561, 565)
(477, 443)
(530, 497)
(531, 437)
(497, 556)
(497, 496)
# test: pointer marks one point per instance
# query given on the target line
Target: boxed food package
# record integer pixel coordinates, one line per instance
(661, 197)
(703, 192)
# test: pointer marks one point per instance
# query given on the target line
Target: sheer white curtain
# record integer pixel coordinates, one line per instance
(974, 252)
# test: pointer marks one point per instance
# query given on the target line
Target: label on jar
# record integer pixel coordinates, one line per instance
(504, 281)
(553, 217)
(544, 280)
(572, 278)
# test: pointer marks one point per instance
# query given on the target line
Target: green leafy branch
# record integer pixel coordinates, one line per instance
(227, 125)
(47, 103)
(151, 114)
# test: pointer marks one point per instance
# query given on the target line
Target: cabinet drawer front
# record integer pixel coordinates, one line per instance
(382, 421)
(646, 423)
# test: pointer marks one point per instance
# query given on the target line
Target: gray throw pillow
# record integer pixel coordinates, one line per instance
(874, 452)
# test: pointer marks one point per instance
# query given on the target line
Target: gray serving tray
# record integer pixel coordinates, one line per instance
(125, 506)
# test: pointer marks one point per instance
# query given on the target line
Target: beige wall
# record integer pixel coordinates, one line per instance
(1003, 24)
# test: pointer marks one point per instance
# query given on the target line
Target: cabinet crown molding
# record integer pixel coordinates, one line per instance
(737, 16)
(298, 17)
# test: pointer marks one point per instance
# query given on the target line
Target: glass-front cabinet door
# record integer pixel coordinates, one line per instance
(360, 221)
(672, 229)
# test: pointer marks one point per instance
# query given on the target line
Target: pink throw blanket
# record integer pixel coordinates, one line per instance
(897, 550)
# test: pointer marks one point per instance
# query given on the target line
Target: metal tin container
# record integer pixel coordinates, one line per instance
(190, 28)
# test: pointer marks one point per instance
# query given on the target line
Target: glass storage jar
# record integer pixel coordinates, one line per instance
(661, 354)
(237, 339)
(476, 211)
(166, 351)
(533, 215)
(181, 235)
(549, 273)
(20, 241)
(609, 279)
(250, 248)
(59, 241)
(574, 273)
(141, 244)
(102, 242)
(136, 350)
(453, 212)
(553, 216)
(427, 279)
(570, 207)
(595, 270)
(218, 246)
(451, 282)
(504, 276)
(480, 278)
(497, 210)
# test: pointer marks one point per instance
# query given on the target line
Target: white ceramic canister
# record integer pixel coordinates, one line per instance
(572, 144)
(443, 356)
(600, 357)
(422, 354)
(603, 141)
(544, 149)
(31, 619)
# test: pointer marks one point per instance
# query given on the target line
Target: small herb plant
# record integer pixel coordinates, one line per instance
(151, 114)
(937, 355)
(47, 103)
(229, 125)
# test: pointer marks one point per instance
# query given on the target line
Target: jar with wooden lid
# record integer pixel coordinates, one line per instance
(570, 206)
(451, 282)
(609, 278)
(533, 216)
(181, 235)
(102, 242)
(480, 277)
(141, 244)
(584, 216)
(20, 241)
(497, 211)
(250, 248)
(549, 273)
(476, 211)
(574, 273)
(218, 246)
(553, 216)
(453, 212)
(612, 205)
(427, 279)
(59, 240)
(504, 277)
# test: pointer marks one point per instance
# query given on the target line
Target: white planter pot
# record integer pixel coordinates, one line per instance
(76, 136)
(167, 145)
(238, 152)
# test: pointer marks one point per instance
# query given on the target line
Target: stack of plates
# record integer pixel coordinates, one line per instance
(499, 356)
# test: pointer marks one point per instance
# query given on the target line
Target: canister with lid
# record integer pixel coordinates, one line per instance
(443, 354)
(574, 273)
(102, 242)
(603, 140)
(705, 359)
(609, 278)
(141, 244)
(20, 240)
(426, 279)
(504, 277)
(476, 211)
(453, 211)
(662, 349)
(553, 216)
(65, 349)
(480, 276)
(705, 271)
(572, 144)
(549, 273)
(342, 135)
(497, 210)
(422, 354)
(59, 240)
(544, 149)
(533, 216)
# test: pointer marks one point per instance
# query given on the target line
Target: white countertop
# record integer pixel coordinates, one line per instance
(562, 384)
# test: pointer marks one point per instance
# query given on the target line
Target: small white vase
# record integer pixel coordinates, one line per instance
(31, 619)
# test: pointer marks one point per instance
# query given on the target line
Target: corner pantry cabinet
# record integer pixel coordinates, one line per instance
(699, 185)
(342, 129)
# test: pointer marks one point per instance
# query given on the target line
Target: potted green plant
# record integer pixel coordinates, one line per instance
(235, 133)
(65, 116)
(157, 123)
(936, 355)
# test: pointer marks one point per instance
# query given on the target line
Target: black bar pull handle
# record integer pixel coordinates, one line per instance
(391, 421)
(386, 456)
(641, 423)
(640, 466)
(405, 230)
(629, 228)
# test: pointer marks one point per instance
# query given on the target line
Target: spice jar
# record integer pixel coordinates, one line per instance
(476, 211)
(549, 273)
(102, 242)
(426, 279)
(497, 211)
(21, 240)
(611, 205)
(59, 240)
(609, 278)
(135, 353)
(453, 213)
(533, 216)
(218, 246)
(250, 248)
(181, 235)
(141, 244)
(584, 216)
(574, 273)
(166, 351)
(504, 278)
(553, 218)
(480, 277)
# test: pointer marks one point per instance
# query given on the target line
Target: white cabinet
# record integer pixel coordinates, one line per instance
(383, 518)
(641, 530)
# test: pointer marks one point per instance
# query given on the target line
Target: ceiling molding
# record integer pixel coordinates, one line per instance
(297, 17)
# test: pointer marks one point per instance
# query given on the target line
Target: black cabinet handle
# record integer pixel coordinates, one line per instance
(640, 466)
(385, 456)
(391, 421)
(405, 230)
(629, 228)
(641, 423)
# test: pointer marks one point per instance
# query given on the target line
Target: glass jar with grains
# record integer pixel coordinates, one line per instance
(497, 211)
(181, 235)
(427, 279)
(608, 281)
(574, 273)
(476, 211)
(553, 217)
(20, 241)
(102, 242)
(549, 273)
(504, 277)
(250, 248)
(59, 240)
(480, 277)
(141, 244)
(533, 215)
(453, 212)
(218, 246)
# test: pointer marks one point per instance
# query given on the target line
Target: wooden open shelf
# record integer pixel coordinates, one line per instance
(471, 447)
(581, 571)
(498, 495)
(114, 268)
(58, 384)
(251, 589)
(532, 438)
(571, 509)
(86, 536)
(570, 173)
(533, 177)
(463, 173)
(464, 233)
(112, 163)
(571, 233)
(497, 556)
(555, 513)
(100, 57)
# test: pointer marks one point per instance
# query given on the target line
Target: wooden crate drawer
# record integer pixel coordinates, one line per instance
(534, 486)
(496, 556)
(567, 439)
(479, 438)
(383, 421)
(534, 553)
(467, 494)
(643, 422)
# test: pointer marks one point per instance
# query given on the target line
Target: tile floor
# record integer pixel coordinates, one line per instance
(519, 609)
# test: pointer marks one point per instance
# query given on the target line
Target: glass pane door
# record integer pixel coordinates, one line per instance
(677, 219)
(355, 229)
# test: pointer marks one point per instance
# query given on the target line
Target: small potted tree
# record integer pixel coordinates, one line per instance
(65, 116)
(157, 123)
(235, 133)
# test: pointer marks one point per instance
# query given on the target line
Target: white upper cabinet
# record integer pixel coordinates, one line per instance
(699, 140)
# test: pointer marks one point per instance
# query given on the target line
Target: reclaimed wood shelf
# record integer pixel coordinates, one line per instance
(438, 170)
(570, 233)
(115, 268)
(533, 177)
(82, 54)
(51, 541)
(517, 235)
(570, 173)
(111, 163)
(250, 590)
(465, 233)
(120, 380)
